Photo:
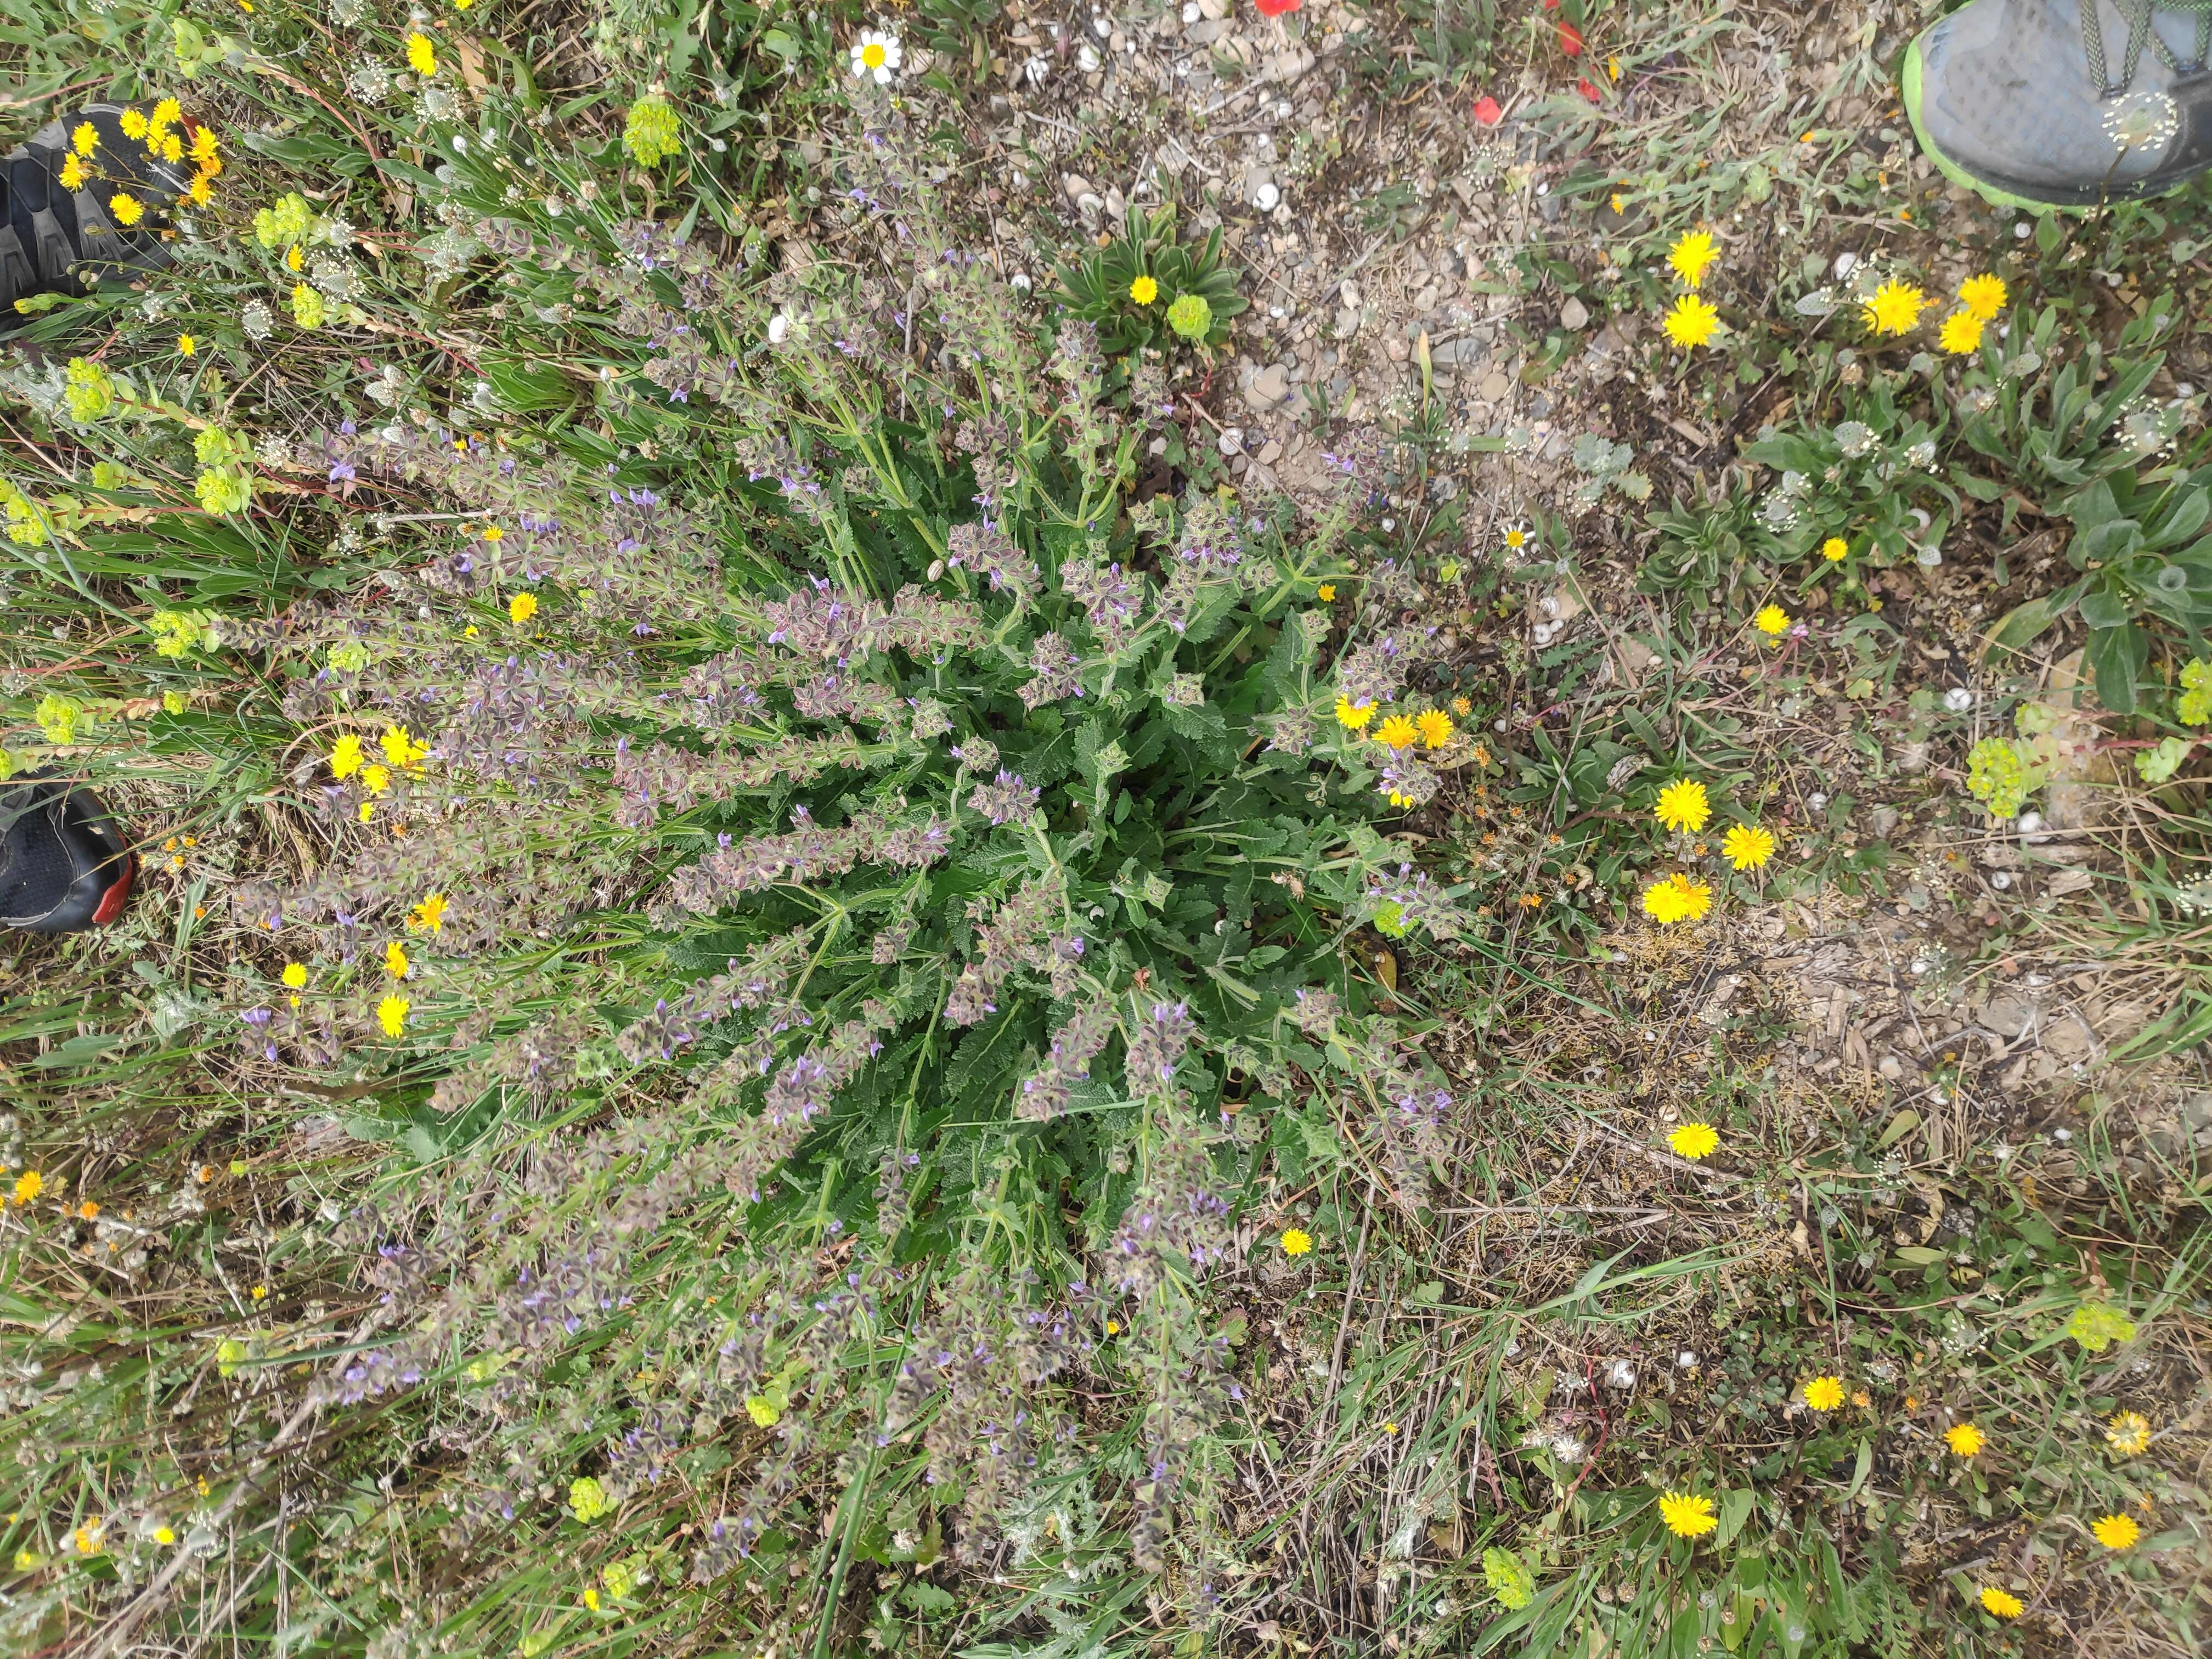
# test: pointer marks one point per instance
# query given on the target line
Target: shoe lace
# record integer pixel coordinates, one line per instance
(2141, 34)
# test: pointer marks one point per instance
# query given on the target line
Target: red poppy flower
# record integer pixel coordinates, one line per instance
(1588, 88)
(1277, 8)
(1486, 112)
(1571, 39)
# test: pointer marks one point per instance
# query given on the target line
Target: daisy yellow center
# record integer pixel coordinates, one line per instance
(873, 54)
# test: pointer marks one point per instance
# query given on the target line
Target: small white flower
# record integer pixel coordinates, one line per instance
(875, 55)
(779, 328)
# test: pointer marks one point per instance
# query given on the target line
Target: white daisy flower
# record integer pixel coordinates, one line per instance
(877, 54)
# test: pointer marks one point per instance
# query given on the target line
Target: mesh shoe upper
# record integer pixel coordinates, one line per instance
(2027, 95)
(49, 232)
(64, 866)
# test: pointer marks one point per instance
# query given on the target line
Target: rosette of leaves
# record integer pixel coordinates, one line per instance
(1097, 287)
(1872, 477)
(2141, 542)
(880, 891)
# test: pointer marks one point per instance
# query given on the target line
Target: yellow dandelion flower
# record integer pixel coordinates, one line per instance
(1397, 733)
(1435, 728)
(172, 147)
(521, 608)
(202, 190)
(422, 55)
(1894, 309)
(126, 209)
(85, 139)
(204, 144)
(294, 257)
(2116, 1532)
(1686, 1514)
(1835, 549)
(1824, 1394)
(1144, 290)
(188, 346)
(73, 172)
(1353, 716)
(2003, 1604)
(1694, 1141)
(1962, 334)
(1297, 1241)
(294, 975)
(1692, 256)
(28, 1186)
(493, 533)
(1748, 846)
(165, 1535)
(1677, 899)
(1772, 621)
(395, 960)
(1964, 1439)
(2128, 1434)
(1983, 296)
(1326, 593)
(1691, 323)
(429, 916)
(400, 748)
(392, 1015)
(135, 124)
(1682, 806)
(167, 114)
(345, 755)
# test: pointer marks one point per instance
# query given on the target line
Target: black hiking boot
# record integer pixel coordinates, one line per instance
(63, 865)
(65, 193)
